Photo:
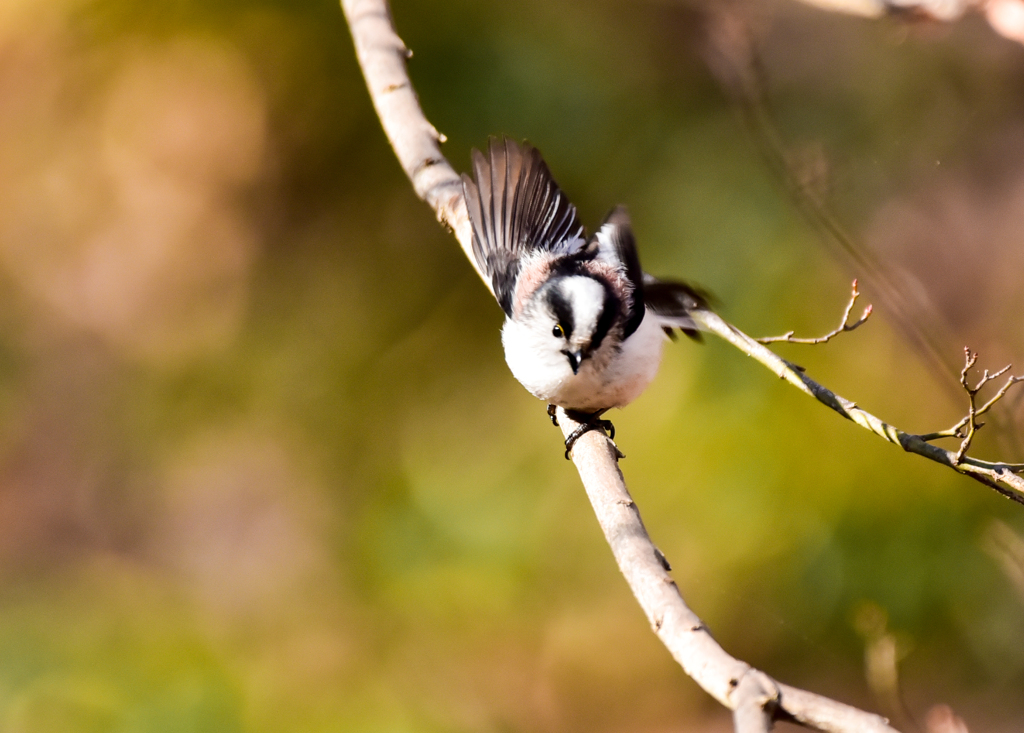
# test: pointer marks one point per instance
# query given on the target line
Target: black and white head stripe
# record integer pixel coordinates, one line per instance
(516, 208)
(562, 310)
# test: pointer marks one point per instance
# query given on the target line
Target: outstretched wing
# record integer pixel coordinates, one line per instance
(616, 245)
(516, 207)
(672, 303)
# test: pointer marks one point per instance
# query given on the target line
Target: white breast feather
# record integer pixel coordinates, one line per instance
(609, 378)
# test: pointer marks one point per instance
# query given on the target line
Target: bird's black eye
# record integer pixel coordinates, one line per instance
(557, 331)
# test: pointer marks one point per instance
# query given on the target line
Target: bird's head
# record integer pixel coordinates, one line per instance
(563, 324)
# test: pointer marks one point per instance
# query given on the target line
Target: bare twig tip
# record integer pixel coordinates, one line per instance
(969, 425)
(844, 325)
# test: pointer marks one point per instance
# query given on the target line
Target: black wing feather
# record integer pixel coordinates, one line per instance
(618, 233)
(516, 208)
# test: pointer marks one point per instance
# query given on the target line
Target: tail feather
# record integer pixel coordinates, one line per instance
(673, 302)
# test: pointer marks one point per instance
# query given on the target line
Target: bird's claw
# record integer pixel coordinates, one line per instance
(588, 422)
(553, 414)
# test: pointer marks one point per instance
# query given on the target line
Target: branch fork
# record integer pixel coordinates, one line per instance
(969, 425)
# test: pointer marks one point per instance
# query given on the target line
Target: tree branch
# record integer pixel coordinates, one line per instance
(755, 698)
(970, 421)
(733, 58)
(998, 475)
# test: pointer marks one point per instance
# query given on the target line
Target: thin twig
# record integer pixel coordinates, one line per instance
(732, 682)
(994, 474)
(732, 56)
(970, 420)
(844, 326)
(973, 412)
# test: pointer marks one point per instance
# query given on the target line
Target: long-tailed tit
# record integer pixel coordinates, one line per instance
(585, 325)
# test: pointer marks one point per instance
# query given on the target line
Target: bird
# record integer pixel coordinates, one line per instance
(584, 325)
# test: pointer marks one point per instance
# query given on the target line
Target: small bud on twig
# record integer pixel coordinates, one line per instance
(844, 325)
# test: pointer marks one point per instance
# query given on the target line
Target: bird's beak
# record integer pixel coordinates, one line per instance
(574, 357)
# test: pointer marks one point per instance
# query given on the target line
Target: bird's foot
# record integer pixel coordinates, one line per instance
(588, 421)
(553, 414)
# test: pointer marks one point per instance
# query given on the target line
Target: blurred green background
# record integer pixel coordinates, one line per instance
(263, 468)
